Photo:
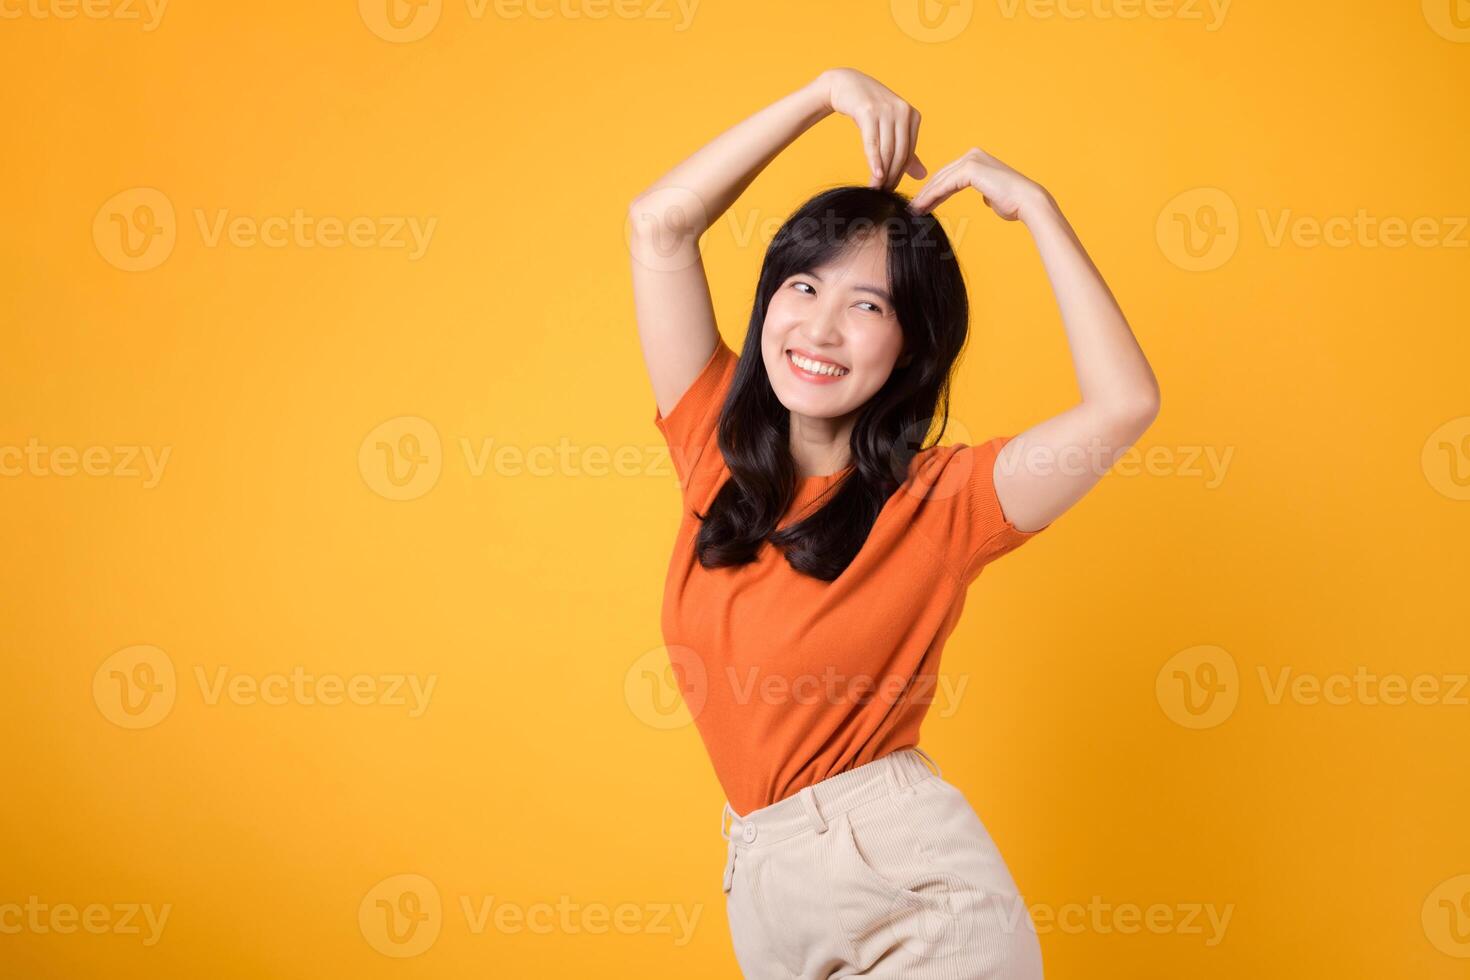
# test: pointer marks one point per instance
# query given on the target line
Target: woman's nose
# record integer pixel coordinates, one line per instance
(822, 326)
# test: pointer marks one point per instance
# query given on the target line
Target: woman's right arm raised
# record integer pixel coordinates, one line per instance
(676, 320)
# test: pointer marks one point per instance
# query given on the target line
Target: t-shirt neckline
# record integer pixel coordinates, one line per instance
(822, 478)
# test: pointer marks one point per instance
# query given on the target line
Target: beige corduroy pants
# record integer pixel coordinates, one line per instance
(884, 870)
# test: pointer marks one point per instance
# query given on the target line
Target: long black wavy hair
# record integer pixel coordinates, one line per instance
(932, 307)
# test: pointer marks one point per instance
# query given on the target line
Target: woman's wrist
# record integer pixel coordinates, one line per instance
(817, 94)
(1038, 206)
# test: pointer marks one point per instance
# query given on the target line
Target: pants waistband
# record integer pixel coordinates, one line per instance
(811, 807)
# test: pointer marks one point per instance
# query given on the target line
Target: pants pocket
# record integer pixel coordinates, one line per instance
(992, 922)
(882, 848)
(888, 893)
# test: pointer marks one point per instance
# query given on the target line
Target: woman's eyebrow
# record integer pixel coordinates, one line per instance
(861, 287)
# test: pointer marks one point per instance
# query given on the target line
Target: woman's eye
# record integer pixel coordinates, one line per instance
(806, 287)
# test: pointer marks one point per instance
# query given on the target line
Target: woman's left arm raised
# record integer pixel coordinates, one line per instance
(1047, 468)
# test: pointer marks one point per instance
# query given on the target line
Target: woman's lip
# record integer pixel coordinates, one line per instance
(810, 378)
(813, 357)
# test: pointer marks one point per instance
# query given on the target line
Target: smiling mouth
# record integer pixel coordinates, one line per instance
(825, 369)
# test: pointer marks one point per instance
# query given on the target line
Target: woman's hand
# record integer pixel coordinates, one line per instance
(890, 126)
(1007, 192)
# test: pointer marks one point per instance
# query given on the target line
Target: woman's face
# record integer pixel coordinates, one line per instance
(839, 316)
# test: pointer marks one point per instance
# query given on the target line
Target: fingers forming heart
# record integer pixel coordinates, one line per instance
(945, 181)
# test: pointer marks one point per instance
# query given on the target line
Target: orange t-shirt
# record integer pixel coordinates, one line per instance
(791, 679)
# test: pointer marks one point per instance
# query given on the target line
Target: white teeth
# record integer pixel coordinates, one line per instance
(816, 367)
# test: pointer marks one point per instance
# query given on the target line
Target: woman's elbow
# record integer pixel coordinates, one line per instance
(666, 214)
(1146, 408)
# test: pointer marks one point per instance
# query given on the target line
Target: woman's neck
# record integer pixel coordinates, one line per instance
(820, 447)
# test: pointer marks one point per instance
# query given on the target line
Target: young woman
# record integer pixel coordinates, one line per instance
(825, 552)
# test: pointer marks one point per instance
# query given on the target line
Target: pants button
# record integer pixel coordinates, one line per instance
(749, 833)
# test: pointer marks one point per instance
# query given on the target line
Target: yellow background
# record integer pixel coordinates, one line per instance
(1335, 540)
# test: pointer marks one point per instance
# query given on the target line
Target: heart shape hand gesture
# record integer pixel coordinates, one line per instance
(890, 131)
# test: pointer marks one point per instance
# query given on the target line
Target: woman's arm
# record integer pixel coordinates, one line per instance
(676, 322)
(1050, 466)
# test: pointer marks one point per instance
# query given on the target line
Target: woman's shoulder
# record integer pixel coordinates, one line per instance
(952, 494)
(690, 426)
(951, 472)
(934, 462)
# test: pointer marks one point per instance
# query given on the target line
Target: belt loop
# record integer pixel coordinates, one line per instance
(937, 771)
(728, 880)
(893, 774)
(725, 815)
(809, 803)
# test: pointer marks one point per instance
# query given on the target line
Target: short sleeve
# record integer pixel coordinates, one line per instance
(960, 510)
(986, 533)
(690, 427)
